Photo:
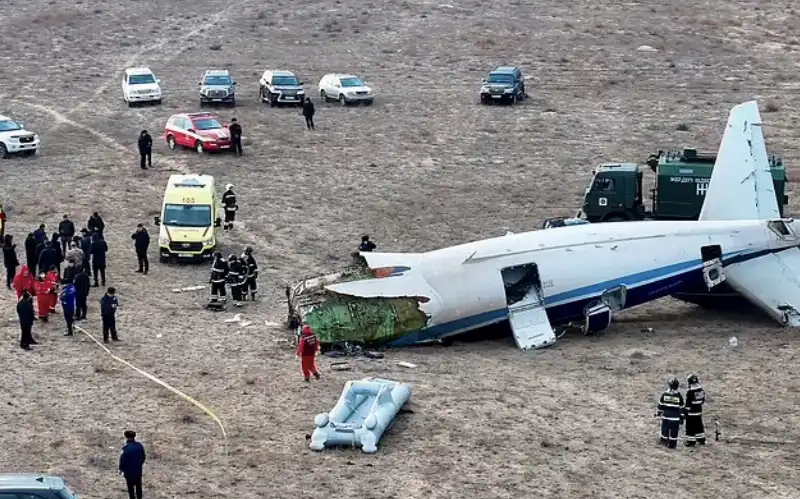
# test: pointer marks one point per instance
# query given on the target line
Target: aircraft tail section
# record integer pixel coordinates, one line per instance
(741, 186)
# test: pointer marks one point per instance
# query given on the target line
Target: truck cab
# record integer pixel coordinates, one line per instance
(614, 194)
(188, 221)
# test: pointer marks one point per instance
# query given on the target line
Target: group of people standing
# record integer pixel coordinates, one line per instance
(674, 409)
(238, 272)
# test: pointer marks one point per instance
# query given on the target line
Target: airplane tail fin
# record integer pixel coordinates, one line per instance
(741, 186)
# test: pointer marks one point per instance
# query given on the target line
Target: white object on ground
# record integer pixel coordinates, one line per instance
(733, 342)
(235, 318)
(406, 364)
(245, 323)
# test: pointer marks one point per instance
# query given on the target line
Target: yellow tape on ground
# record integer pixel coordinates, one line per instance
(158, 381)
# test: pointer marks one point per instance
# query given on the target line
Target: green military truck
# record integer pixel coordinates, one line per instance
(615, 192)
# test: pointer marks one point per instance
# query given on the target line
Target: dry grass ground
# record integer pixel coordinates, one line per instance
(424, 167)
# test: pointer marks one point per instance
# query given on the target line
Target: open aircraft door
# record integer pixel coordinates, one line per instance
(527, 315)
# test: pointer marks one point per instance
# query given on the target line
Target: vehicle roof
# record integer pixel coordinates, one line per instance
(138, 70)
(618, 167)
(505, 69)
(343, 75)
(4, 117)
(194, 116)
(198, 183)
(30, 481)
(279, 72)
(220, 72)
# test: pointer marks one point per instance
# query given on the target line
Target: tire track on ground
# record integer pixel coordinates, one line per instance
(219, 17)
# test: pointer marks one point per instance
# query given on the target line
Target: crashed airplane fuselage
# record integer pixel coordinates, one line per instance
(580, 274)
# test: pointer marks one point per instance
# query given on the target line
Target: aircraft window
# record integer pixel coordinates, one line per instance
(779, 228)
(603, 184)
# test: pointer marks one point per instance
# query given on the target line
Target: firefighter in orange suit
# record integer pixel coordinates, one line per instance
(52, 278)
(307, 347)
(43, 289)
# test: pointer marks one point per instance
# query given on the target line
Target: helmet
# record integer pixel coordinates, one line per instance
(217, 255)
(228, 187)
(232, 257)
(692, 379)
(248, 250)
(674, 384)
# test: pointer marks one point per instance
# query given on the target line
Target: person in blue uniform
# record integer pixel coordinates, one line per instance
(131, 464)
(68, 294)
(108, 314)
(695, 398)
(670, 409)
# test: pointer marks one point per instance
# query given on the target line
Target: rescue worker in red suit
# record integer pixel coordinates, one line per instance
(43, 291)
(54, 280)
(24, 280)
(307, 347)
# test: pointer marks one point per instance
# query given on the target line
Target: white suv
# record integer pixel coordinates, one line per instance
(14, 139)
(280, 87)
(140, 85)
(345, 88)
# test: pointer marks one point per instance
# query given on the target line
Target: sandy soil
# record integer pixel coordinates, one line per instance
(426, 166)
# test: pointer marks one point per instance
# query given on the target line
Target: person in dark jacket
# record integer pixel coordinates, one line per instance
(98, 251)
(66, 229)
(55, 243)
(26, 318)
(366, 244)
(670, 409)
(251, 286)
(31, 257)
(68, 306)
(145, 149)
(82, 288)
(40, 234)
(86, 247)
(141, 241)
(70, 271)
(236, 137)
(308, 113)
(95, 224)
(10, 260)
(108, 311)
(131, 462)
(48, 257)
(230, 206)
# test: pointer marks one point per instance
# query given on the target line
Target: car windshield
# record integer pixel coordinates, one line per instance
(500, 78)
(352, 82)
(141, 79)
(8, 126)
(187, 215)
(285, 80)
(206, 124)
(217, 80)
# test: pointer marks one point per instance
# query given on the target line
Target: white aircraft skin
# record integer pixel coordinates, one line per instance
(463, 286)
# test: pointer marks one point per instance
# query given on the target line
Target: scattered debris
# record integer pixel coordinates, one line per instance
(733, 342)
(245, 323)
(647, 48)
(188, 288)
(340, 366)
(408, 365)
(271, 324)
(648, 330)
(235, 318)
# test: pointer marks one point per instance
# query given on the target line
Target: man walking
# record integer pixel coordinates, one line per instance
(99, 250)
(10, 260)
(26, 318)
(68, 306)
(230, 206)
(307, 348)
(670, 409)
(82, 288)
(141, 241)
(236, 137)
(131, 462)
(66, 229)
(108, 311)
(145, 149)
(308, 113)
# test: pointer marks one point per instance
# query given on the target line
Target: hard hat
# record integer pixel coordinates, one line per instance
(674, 384)
(692, 379)
(228, 187)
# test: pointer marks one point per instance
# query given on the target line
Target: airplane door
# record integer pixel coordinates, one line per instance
(527, 315)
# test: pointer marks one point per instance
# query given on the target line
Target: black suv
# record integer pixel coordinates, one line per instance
(24, 486)
(504, 84)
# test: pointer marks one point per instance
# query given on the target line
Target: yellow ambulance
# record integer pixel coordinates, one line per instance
(188, 219)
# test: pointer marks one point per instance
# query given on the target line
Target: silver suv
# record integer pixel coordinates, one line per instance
(217, 86)
(20, 485)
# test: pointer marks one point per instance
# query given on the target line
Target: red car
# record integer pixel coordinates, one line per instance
(200, 131)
